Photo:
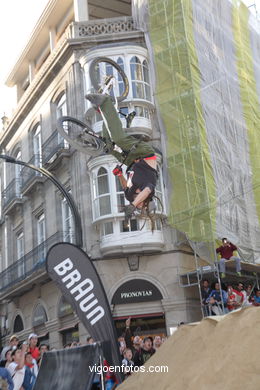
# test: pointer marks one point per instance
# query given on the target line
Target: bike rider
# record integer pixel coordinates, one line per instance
(139, 156)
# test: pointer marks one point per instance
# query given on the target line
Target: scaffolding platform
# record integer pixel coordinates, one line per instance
(249, 272)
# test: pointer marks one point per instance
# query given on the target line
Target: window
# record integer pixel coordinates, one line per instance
(20, 245)
(61, 110)
(18, 169)
(142, 111)
(67, 221)
(18, 324)
(39, 316)
(41, 237)
(102, 203)
(107, 228)
(120, 83)
(20, 253)
(37, 146)
(140, 79)
(62, 106)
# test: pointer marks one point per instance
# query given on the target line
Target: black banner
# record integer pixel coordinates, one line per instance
(81, 286)
(67, 369)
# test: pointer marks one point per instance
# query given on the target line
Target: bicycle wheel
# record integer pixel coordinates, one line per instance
(102, 70)
(80, 136)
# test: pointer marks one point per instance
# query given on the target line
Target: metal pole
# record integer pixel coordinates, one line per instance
(199, 279)
(67, 196)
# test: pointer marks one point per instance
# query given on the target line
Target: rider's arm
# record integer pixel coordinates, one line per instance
(123, 181)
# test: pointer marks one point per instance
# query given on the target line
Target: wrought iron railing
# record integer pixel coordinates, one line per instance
(53, 145)
(30, 262)
(27, 173)
(11, 192)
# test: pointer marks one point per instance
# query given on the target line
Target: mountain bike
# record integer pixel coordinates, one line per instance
(107, 77)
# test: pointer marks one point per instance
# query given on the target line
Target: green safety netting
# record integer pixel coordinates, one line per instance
(206, 61)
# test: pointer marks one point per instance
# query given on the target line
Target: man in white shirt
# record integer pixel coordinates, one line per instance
(17, 368)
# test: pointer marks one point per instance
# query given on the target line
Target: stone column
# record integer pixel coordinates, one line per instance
(81, 10)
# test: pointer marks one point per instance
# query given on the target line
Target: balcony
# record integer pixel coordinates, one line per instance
(12, 196)
(54, 149)
(22, 274)
(31, 178)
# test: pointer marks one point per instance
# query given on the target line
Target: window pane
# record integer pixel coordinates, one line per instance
(108, 228)
(124, 110)
(139, 87)
(119, 188)
(133, 226)
(146, 72)
(104, 205)
(120, 202)
(102, 180)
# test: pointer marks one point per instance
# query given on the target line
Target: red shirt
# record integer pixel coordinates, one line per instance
(35, 353)
(226, 251)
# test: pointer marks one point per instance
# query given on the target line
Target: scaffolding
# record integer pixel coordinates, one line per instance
(250, 273)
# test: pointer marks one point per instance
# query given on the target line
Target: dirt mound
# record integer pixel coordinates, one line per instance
(219, 353)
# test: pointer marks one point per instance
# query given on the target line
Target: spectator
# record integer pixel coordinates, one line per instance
(137, 343)
(33, 340)
(13, 343)
(144, 353)
(226, 251)
(249, 292)
(234, 300)
(205, 292)
(215, 302)
(256, 299)
(242, 292)
(127, 361)
(17, 368)
(8, 358)
(90, 340)
(6, 381)
(122, 345)
(157, 342)
(30, 374)
(43, 348)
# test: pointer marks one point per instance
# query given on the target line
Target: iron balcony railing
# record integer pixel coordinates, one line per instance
(30, 262)
(53, 145)
(27, 173)
(11, 192)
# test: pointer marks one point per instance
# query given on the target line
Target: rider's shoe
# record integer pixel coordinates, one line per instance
(129, 211)
(96, 99)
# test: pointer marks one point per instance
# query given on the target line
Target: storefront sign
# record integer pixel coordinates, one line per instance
(137, 290)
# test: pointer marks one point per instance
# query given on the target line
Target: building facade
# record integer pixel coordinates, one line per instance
(139, 268)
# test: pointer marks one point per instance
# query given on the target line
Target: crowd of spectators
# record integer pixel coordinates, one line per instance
(20, 362)
(220, 299)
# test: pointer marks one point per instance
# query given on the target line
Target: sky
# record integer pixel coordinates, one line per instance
(17, 20)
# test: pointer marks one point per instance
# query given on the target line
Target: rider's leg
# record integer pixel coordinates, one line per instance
(112, 129)
(141, 197)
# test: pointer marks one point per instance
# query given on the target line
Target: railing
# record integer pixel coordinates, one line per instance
(11, 192)
(30, 263)
(27, 173)
(102, 27)
(52, 145)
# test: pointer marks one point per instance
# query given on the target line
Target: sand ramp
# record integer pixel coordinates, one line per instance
(217, 354)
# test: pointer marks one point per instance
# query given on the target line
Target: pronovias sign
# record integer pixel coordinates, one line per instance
(136, 290)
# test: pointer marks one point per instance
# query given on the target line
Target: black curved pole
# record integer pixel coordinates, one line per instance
(67, 196)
